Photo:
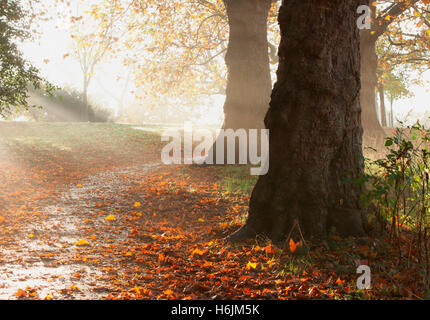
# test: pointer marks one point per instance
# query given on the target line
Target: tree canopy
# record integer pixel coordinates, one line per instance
(16, 74)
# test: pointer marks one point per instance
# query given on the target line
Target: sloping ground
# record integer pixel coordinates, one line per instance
(39, 166)
(87, 212)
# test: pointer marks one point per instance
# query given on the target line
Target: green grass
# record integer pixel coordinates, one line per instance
(69, 135)
(92, 141)
(237, 179)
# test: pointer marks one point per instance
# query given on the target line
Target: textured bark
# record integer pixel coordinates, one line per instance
(315, 127)
(249, 84)
(382, 106)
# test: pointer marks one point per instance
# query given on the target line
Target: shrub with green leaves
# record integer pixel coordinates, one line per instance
(398, 186)
(15, 72)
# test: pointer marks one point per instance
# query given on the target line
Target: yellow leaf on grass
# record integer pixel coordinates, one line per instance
(110, 217)
(251, 265)
(136, 204)
(82, 242)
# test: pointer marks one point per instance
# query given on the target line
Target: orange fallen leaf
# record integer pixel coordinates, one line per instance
(168, 292)
(293, 245)
(269, 249)
(20, 293)
(199, 252)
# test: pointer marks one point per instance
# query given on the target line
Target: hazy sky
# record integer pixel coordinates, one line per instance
(47, 54)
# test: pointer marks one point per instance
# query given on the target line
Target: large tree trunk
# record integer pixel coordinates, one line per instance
(249, 81)
(248, 84)
(373, 132)
(315, 127)
(382, 106)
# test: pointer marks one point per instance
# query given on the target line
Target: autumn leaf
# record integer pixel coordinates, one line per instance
(137, 204)
(168, 292)
(198, 252)
(110, 217)
(293, 245)
(82, 242)
(20, 293)
(251, 265)
(161, 258)
(269, 249)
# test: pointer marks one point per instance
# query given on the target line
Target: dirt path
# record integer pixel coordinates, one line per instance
(42, 265)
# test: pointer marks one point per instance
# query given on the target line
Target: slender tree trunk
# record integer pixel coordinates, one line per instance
(248, 84)
(391, 112)
(123, 93)
(84, 111)
(315, 127)
(382, 106)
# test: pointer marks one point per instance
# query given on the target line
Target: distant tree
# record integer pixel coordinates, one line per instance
(391, 21)
(197, 47)
(396, 87)
(125, 88)
(64, 105)
(16, 74)
(94, 41)
(398, 61)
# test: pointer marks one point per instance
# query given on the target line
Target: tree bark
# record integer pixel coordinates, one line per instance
(315, 127)
(382, 106)
(249, 83)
